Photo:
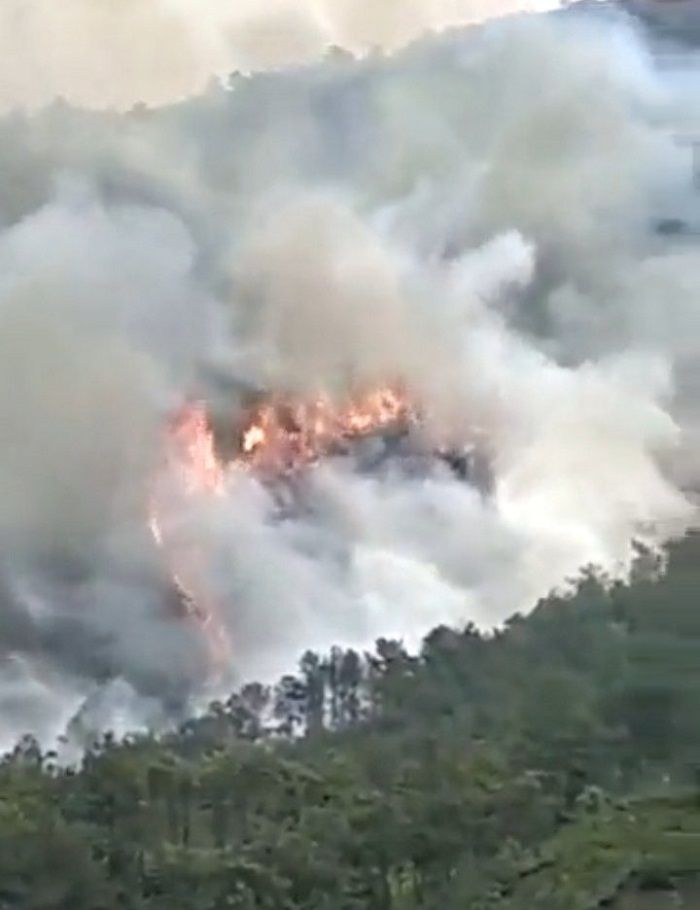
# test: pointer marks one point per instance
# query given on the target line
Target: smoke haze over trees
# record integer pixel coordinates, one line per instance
(349, 466)
(105, 56)
(474, 214)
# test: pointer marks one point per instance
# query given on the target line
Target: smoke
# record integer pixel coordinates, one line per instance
(473, 215)
(100, 55)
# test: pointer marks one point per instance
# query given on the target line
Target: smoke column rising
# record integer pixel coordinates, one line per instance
(473, 214)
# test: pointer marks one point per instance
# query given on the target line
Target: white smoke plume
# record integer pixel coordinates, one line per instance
(474, 214)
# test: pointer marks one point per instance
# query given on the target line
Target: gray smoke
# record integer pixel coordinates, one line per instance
(475, 214)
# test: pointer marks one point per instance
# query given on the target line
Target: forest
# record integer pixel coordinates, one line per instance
(552, 764)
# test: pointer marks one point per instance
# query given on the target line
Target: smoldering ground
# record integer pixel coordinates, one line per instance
(474, 214)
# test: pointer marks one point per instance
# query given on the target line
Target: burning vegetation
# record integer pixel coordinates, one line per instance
(276, 439)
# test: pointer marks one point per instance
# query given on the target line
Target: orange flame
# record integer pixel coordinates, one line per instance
(283, 436)
(280, 437)
(190, 461)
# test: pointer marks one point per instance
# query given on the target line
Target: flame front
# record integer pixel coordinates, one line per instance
(278, 438)
(283, 436)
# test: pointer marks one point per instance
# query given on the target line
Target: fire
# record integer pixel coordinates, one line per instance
(283, 436)
(252, 439)
(279, 437)
(190, 468)
(190, 450)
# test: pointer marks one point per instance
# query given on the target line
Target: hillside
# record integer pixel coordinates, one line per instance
(552, 765)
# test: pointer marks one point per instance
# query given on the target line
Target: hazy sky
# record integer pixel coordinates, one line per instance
(102, 53)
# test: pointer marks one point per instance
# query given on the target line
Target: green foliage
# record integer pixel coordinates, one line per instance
(490, 771)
